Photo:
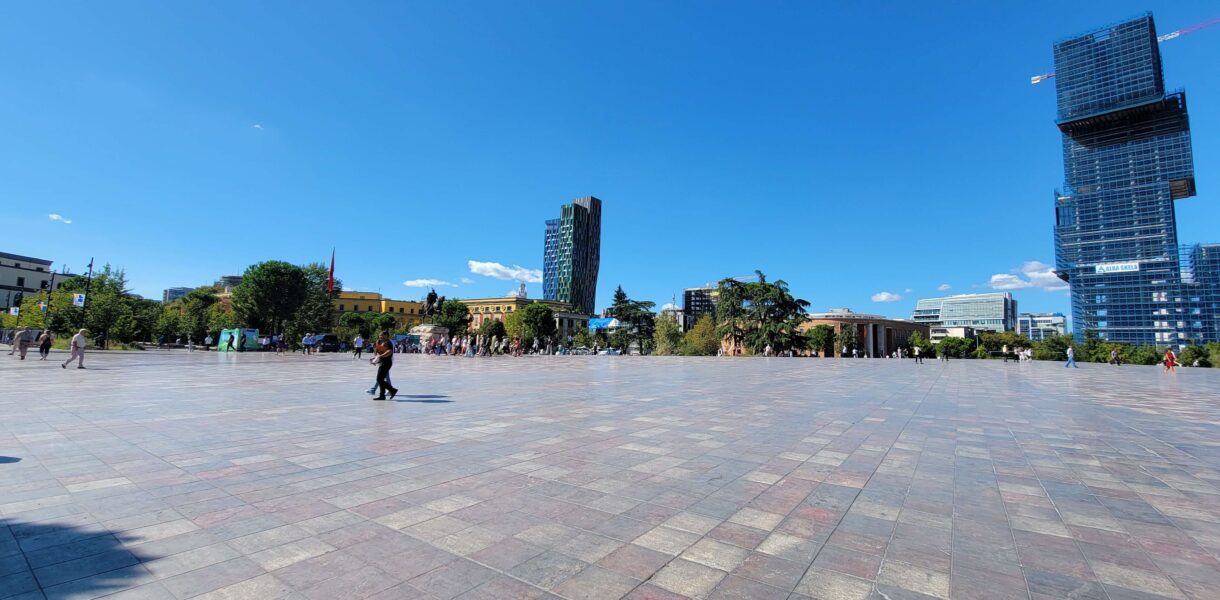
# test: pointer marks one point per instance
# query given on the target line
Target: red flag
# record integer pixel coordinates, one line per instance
(330, 281)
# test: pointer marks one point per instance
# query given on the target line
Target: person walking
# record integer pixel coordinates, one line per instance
(357, 346)
(22, 340)
(1071, 353)
(207, 343)
(385, 361)
(79, 341)
(241, 342)
(44, 344)
(190, 343)
(918, 358)
(229, 346)
(1114, 357)
(1171, 360)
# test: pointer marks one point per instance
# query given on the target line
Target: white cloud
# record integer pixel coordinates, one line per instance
(427, 283)
(908, 290)
(669, 306)
(1031, 274)
(60, 218)
(944, 286)
(1004, 281)
(886, 297)
(499, 271)
(466, 280)
(513, 293)
(256, 126)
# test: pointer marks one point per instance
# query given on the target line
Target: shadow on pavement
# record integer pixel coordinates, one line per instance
(423, 398)
(4, 460)
(61, 560)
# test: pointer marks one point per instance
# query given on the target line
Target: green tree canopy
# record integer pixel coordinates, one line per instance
(821, 338)
(636, 322)
(846, 339)
(702, 339)
(270, 294)
(538, 321)
(667, 340)
(455, 316)
(493, 328)
(761, 313)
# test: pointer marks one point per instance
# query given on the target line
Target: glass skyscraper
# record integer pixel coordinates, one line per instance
(572, 254)
(1127, 158)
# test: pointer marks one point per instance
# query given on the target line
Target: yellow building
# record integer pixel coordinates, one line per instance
(567, 321)
(406, 312)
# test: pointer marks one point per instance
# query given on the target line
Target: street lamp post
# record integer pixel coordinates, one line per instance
(84, 307)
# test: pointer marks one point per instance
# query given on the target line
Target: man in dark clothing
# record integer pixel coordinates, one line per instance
(385, 359)
(241, 342)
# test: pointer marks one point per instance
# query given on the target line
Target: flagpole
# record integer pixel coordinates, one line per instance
(84, 306)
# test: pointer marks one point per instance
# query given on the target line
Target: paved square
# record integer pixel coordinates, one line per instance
(173, 475)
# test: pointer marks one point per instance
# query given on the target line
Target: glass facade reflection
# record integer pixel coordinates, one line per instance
(572, 254)
(1127, 157)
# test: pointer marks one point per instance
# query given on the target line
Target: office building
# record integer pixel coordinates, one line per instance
(1127, 158)
(1038, 327)
(990, 312)
(174, 293)
(226, 283)
(572, 254)
(697, 302)
(876, 336)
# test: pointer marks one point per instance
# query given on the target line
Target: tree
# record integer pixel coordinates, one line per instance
(917, 340)
(316, 312)
(760, 314)
(512, 325)
(493, 328)
(538, 321)
(455, 316)
(1053, 347)
(582, 339)
(107, 301)
(636, 322)
(821, 338)
(702, 339)
(270, 294)
(997, 341)
(194, 306)
(846, 338)
(955, 347)
(667, 340)
(1193, 353)
(221, 316)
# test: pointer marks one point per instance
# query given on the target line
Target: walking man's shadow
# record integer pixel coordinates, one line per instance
(423, 398)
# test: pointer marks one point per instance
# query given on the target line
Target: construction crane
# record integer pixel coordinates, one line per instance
(1036, 79)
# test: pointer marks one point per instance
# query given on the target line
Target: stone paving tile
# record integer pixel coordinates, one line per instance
(595, 478)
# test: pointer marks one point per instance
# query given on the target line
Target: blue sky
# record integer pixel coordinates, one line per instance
(852, 149)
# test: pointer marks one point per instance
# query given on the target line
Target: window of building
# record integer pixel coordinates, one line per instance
(20, 281)
(340, 308)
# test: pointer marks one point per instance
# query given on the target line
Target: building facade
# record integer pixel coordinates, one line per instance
(567, 321)
(407, 313)
(22, 277)
(991, 312)
(1127, 158)
(226, 283)
(1038, 327)
(876, 336)
(572, 255)
(937, 333)
(174, 293)
(697, 302)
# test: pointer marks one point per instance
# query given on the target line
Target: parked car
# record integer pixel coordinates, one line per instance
(326, 342)
(609, 352)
